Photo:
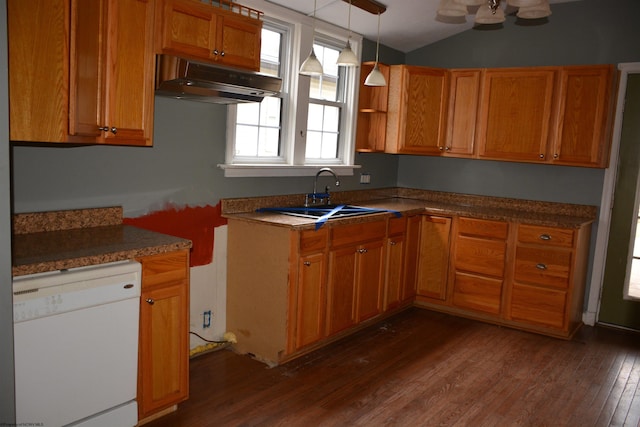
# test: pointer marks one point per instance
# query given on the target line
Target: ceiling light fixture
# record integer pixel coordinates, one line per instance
(490, 12)
(312, 66)
(347, 58)
(375, 77)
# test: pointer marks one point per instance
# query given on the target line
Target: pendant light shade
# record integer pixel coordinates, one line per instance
(451, 8)
(471, 2)
(312, 66)
(486, 15)
(375, 77)
(541, 10)
(347, 58)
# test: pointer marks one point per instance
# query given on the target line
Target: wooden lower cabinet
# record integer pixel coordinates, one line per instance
(355, 274)
(433, 261)
(394, 263)
(291, 291)
(163, 358)
(525, 276)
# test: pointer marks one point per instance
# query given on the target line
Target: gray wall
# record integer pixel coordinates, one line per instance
(7, 406)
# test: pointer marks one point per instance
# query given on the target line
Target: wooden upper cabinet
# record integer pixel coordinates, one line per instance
(584, 116)
(515, 113)
(79, 66)
(372, 112)
(464, 92)
(199, 30)
(416, 112)
(112, 68)
(38, 70)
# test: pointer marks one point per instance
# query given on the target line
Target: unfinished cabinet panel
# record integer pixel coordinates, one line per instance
(515, 115)
(394, 262)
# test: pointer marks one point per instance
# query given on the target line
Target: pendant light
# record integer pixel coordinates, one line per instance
(538, 11)
(451, 8)
(375, 77)
(347, 58)
(312, 66)
(490, 14)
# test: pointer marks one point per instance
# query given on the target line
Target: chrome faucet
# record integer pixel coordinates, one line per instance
(323, 196)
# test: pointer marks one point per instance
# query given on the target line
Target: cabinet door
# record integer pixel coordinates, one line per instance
(515, 113)
(394, 271)
(464, 90)
(369, 279)
(372, 111)
(238, 41)
(112, 71)
(341, 289)
(411, 253)
(416, 112)
(433, 264)
(584, 116)
(188, 28)
(38, 45)
(129, 79)
(164, 348)
(310, 309)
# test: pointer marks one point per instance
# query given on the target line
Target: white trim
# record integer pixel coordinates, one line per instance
(590, 317)
(234, 171)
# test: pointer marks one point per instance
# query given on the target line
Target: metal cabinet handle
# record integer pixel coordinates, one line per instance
(541, 156)
(392, 243)
(541, 266)
(222, 53)
(362, 251)
(545, 237)
(441, 148)
(113, 130)
(447, 148)
(150, 301)
(215, 51)
(307, 263)
(555, 156)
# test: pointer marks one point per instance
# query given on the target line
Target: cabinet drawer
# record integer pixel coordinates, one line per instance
(480, 255)
(354, 233)
(483, 228)
(538, 305)
(164, 268)
(549, 236)
(543, 266)
(477, 293)
(313, 240)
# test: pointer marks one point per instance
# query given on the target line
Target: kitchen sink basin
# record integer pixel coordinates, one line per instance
(325, 212)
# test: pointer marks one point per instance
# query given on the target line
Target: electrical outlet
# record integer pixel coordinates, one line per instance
(206, 319)
(365, 178)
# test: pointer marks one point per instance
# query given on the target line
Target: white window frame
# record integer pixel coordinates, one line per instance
(296, 100)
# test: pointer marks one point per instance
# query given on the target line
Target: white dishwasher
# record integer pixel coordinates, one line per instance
(76, 346)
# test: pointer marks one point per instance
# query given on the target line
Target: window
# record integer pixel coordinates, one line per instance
(311, 122)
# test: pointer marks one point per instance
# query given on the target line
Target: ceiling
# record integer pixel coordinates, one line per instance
(406, 25)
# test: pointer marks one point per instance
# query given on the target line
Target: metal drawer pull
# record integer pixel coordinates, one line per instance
(545, 237)
(541, 266)
(150, 301)
(307, 263)
(362, 251)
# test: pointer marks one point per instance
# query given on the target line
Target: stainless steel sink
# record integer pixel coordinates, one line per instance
(325, 212)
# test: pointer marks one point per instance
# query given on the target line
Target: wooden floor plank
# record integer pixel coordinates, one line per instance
(421, 368)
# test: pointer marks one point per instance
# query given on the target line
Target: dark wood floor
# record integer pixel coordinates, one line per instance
(421, 368)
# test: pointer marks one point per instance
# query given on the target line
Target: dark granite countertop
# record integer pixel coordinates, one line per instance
(40, 246)
(408, 201)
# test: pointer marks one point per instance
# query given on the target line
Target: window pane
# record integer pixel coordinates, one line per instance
(314, 122)
(323, 132)
(270, 111)
(268, 146)
(331, 119)
(326, 85)
(329, 146)
(270, 52)
(248, 113)
(246, 141)
(314, 144)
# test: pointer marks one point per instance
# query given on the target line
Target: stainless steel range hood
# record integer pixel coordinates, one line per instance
(198, 81)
